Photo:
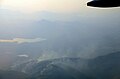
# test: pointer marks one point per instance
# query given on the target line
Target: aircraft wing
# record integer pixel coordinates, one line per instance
(104, 3)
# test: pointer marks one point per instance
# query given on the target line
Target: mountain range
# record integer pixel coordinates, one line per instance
(103, 67)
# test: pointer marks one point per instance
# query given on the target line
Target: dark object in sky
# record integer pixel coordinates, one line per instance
(104, 3)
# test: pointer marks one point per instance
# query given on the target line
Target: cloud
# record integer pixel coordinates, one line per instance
(24, 55)
(22, 40)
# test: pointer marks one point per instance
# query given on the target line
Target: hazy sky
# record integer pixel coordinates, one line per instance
(49, 5)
